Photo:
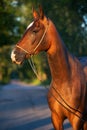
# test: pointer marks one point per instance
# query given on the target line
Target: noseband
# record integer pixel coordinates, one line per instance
(37, 44)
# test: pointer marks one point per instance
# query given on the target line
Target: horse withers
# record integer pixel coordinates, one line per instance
(67, 96)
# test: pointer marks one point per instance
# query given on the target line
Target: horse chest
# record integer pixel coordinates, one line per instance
(63, 96)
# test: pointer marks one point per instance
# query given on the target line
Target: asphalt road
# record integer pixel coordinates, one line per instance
(25, 107)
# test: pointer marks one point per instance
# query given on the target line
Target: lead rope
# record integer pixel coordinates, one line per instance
(39, 78)
(31, 62)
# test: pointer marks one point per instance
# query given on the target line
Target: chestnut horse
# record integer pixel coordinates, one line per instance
(67, 93)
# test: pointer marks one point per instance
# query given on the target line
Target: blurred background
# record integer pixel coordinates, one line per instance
(70, 18)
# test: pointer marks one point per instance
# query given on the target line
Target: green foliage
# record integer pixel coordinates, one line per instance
(70, 18)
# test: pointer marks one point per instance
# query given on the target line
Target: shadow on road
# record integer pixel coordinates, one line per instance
(38, 124)
(25, 108)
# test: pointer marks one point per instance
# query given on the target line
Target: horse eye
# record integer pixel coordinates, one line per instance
(35, 31)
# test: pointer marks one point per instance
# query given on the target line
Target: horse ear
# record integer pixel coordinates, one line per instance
(35, 13)
(41, 12)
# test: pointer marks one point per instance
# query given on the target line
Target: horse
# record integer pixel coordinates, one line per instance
(67, 95)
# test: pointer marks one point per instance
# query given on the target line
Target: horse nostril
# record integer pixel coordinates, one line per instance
(18, 56)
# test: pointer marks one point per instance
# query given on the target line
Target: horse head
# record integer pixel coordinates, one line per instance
(34, 39)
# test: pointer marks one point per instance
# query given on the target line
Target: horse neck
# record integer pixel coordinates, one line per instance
(57, 56)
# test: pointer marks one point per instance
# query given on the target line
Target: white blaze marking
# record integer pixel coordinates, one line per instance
(30, 25)
(13, 56)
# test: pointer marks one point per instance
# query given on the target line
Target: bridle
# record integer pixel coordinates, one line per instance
(31, 58)
(38, 42)
(68, 108)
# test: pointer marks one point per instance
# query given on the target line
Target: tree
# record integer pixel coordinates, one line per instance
(70, 18)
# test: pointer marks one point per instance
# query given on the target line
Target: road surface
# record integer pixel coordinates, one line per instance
(24, 107)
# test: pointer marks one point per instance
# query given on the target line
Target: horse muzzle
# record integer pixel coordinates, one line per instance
(18, 56)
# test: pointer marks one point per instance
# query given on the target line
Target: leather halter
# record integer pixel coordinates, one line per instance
(38, 42)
